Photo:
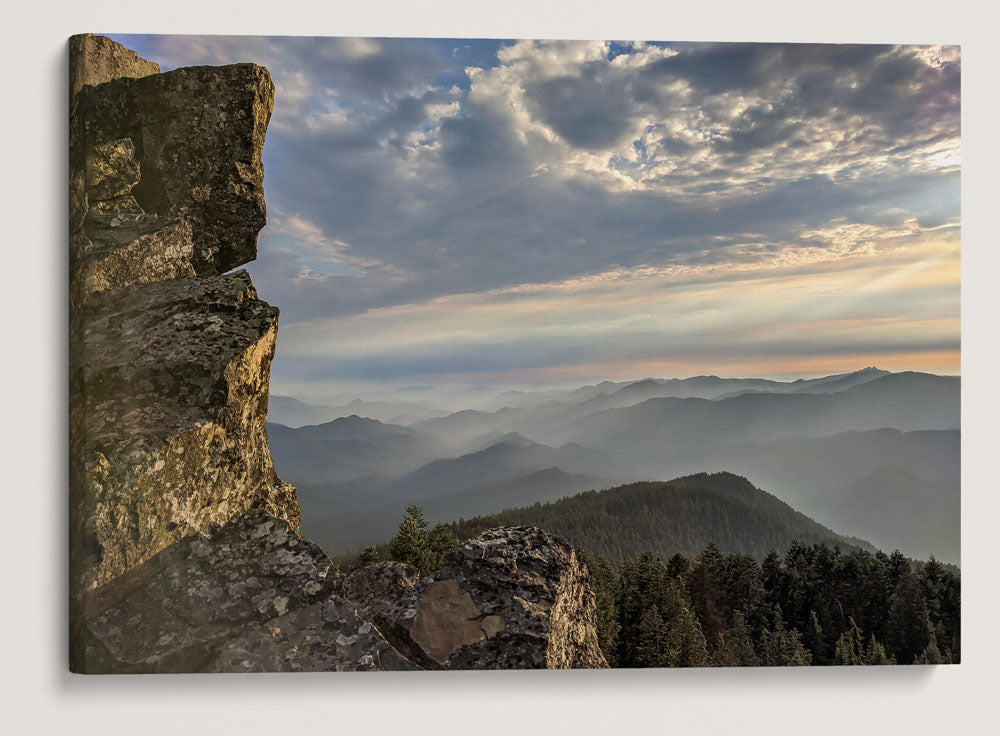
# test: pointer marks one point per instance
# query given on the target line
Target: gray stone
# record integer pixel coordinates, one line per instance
(514, 598)
(255, 597)
(133, 249)
(172, 419)
(111, 170)
(376, 587)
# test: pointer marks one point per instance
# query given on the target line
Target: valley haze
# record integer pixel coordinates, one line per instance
(872, 454)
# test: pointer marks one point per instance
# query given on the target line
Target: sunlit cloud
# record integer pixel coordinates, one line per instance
(489, 210)
(898, 311)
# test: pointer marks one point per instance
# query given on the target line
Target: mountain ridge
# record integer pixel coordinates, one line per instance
(681, 515)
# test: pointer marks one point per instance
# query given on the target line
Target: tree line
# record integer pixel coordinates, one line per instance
(814, 606)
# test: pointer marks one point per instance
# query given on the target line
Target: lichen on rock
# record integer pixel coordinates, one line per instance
(173, 416)
(253, 597)
(198, 134)
(169, 359)
(513, 598)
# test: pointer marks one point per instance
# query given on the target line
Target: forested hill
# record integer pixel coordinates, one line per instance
(682, 515)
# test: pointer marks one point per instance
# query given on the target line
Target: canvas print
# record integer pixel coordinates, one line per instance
(591, 354)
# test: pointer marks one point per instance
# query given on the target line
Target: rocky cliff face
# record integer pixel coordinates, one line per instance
(184, 555)
(254, 597)
(169, 357)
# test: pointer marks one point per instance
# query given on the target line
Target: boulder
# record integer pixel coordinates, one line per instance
(197, 135)
(254, 597)
(513, 598)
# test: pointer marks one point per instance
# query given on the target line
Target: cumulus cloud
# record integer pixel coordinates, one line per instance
(400, 171)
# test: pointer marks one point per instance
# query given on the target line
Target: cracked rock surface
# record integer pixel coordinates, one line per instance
(173, 413)
(254, 597)
(513, 598)
(169, 358)
(198, 135)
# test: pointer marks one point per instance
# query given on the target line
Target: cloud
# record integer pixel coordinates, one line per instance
(892, 292)
(403, 171)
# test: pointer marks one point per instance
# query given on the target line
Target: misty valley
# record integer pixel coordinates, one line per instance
(872, 454)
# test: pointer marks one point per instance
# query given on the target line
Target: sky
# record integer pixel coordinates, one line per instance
(476, 215)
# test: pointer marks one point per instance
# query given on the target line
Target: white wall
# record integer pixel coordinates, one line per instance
(39, 696)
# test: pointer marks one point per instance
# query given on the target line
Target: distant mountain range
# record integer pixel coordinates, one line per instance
(872, 454)
(350, 447)
(514, 471)
(293, 412)
(632, 420)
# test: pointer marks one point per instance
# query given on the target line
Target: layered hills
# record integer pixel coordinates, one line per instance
(810, 442)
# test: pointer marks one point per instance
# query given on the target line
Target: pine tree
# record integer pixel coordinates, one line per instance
(678, 566)
(685, 640)
(368, 555)
(850, 647)
(411, 541)
(815, 641)
(744, 589)
(781, 647)
(651, 647)
(876, 653)
(909, 628)
(930, 655)
(441, 546)
(735, 647)
(706, 587)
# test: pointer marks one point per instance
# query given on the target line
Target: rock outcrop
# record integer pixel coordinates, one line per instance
(255, 597)
(513, 598)
(198, 135)
(184, 554)
(169, 357)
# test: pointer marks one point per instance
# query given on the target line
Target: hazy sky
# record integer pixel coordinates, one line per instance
(495, 213)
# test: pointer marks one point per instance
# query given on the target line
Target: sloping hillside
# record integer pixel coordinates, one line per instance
(682, 515)
(342, 531)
